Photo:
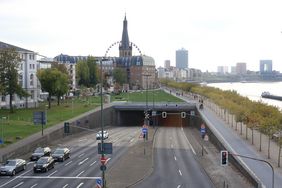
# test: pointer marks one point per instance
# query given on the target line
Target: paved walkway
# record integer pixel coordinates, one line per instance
(134, 166)
(236, 141)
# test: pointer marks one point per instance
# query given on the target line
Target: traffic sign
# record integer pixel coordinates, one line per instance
(107, 148)
(144, 130)
(1, 141)
(103, 167)
(103, 160)
(99, 183)
(39, 117)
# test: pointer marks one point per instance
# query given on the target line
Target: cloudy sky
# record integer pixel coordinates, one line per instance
(215, 32)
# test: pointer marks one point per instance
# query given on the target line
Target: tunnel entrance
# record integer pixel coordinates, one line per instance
(176, 114)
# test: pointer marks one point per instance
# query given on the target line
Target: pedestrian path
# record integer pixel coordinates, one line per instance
(236, 143)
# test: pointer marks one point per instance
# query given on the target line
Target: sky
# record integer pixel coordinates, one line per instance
(215, 32)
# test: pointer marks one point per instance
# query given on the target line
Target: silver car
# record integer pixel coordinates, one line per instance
(12, 166)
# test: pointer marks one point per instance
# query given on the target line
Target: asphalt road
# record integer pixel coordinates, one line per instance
(175, 164)
(83, 167)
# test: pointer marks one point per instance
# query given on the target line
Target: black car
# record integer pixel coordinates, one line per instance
(12, 166)
(39, 152)
(61, 154)
(44, 164)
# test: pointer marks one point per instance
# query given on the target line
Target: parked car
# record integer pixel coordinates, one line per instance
(99, 135)
(43, 164)
(61, 154)
(39, 152)
(12, 166)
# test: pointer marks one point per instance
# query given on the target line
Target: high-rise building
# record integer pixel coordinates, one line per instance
(167, 64)
(241, 68)
(222, 69)
(182, 58)
(265, 66)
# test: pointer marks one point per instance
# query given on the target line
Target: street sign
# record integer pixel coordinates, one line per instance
(1, 141)
(39, 118)
(206, 137)
(103, 160)
(99, 183)
(103, 167)
(107, 149)
(144, 130)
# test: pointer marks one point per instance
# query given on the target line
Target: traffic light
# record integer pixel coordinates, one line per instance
(164, 114)
(183, 114)
(224, 158)
(66, 127)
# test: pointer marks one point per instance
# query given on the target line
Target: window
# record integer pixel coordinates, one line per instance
(3, 98)
(21, 80)
(29, 66)
(21, 66)
(32, 94)
(31, 80)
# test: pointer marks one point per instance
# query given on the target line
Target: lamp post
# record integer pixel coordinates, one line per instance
(102, 125)
(2, 129)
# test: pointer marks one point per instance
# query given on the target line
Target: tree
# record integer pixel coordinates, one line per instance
(61, 67)
(54, 82)
(82, 73)
(9, 63)
(61, 85)
(93, 71)
(119, 76)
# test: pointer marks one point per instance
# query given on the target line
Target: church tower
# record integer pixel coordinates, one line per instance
(125, 48)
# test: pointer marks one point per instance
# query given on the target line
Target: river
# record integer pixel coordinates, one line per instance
(253, 90)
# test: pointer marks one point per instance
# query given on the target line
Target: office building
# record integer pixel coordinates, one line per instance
(167, 64)
(182, 58)
(265, 66)
(241, 68)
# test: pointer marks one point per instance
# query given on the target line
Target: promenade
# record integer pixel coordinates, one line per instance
(239, 140)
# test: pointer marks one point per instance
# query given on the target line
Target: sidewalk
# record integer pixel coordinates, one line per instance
(134, 166)
(240, 129)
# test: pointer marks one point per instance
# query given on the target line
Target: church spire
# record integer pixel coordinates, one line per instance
(125, 48)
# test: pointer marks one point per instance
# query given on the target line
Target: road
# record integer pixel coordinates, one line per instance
(83, 167)
(174, 162)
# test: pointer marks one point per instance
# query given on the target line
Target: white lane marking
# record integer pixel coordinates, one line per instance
(80, 185)
(80, 163)
(18, 184)
(66, 185)
(14, 179)
(81, 140)
(57, 177)
(180, 172)
(68, 163)
(33, 185)
(79, 174)
(93, 163)
(108, 160)
(52, 173)
(175, 158)
(178, 186)
(80, 155)
(190, 145)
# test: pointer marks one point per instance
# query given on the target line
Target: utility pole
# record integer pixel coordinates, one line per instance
(102, 125)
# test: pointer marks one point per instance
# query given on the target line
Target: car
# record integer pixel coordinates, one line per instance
(99, 135)
(43, 164)
(13, 166)
(61, 154)
(39, 152)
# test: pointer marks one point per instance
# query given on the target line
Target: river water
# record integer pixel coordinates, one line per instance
(253, 90)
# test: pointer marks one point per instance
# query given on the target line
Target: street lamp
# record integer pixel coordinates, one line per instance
(102, 125)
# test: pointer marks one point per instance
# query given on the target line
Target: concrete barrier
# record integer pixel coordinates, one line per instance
(88, 120)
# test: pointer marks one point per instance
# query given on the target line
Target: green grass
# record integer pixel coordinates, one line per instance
(140, 96)
(19, 124)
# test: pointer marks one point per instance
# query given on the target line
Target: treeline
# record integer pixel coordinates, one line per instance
(266, 118)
